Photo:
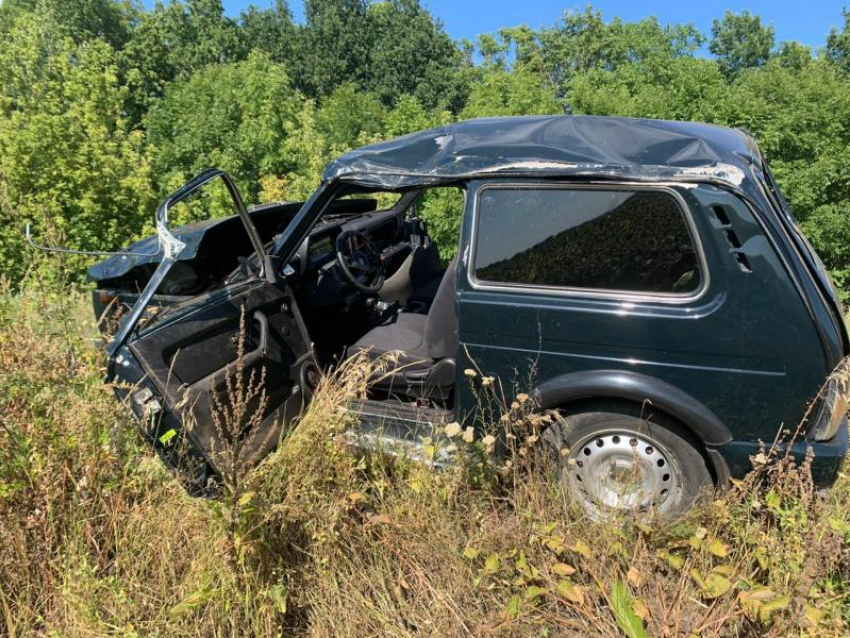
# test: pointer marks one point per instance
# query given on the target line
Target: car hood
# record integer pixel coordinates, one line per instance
(148, 250)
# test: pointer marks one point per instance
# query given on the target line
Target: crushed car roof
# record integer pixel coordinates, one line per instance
(553, 145)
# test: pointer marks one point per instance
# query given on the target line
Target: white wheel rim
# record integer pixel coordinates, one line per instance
(621, 471)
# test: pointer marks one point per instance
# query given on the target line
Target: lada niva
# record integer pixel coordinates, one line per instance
(649, 273)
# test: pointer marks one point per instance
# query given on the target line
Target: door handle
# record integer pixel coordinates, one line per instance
(264, 331)
(262, 346)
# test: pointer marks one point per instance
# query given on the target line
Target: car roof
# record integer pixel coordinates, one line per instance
(552, 146)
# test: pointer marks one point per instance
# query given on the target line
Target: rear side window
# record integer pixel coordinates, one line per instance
(600, 239)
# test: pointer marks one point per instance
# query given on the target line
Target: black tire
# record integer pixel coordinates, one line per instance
(595, 445)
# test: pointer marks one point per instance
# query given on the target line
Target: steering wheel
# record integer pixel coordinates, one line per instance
(360, 261)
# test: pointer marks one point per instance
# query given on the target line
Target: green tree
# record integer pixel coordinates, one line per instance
(409, 115)
(838, 43)
(271, 30)
(350, 116)
(802, 123)
(334, 43)
(389, 48)
(171, 42)
(501, 92)
(685, 88)
(231, 116)
(442, 209)
(448, 90)
(69, 163)
(794, 55)
(582, 43)
(110, 20)
(407, 48)
(740, 41)
(306, 151)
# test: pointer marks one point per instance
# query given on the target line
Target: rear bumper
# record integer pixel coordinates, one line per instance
(826, 463)
(830, 456)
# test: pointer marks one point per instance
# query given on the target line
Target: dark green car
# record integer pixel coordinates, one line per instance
(644, 279)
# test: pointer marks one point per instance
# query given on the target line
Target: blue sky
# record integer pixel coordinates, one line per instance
(807, 22)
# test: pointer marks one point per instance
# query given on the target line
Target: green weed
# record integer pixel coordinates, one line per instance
(96, 537)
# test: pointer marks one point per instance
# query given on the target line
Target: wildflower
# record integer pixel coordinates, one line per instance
(489, 441)
(522, 397)
(531, 440)
(760, 459)
(505, 418)
(469, 434)
(487, 381)
(565, 451)
(469, 372)
(514, 406)
(452, 429)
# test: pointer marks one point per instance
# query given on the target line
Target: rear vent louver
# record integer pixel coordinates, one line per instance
(739, 255)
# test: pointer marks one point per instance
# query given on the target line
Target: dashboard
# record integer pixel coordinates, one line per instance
(318, 281)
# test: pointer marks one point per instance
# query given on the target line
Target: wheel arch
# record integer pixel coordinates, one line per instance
(578, 387)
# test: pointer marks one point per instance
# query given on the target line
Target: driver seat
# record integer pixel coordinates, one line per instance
(426, 346)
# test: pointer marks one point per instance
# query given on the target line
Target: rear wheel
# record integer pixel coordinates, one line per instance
(614, 460)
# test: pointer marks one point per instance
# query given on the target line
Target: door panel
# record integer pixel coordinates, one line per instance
(216, 396)
(224, 393)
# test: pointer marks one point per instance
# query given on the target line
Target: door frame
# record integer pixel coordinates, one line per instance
(171, 248)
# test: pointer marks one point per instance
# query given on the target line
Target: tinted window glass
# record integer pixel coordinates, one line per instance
(580, 238)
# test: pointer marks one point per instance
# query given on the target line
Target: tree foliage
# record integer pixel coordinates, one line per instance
(740, 41)
(69, 163)
(230, 116)
(172, 42)
(105, 106)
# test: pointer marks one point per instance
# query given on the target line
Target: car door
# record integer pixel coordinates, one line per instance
(214, 379)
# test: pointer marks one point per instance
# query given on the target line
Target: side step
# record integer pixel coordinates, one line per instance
(401, 430)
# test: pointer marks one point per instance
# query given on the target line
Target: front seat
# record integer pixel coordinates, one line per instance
(415, 283)
(426, 346)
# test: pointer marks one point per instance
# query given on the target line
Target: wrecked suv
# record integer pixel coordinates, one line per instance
(646, 277)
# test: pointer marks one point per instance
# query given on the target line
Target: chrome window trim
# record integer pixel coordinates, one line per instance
(591, 293)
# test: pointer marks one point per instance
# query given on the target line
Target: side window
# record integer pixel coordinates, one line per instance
(601, 239)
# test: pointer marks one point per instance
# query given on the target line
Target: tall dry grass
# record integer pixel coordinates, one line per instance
(321, 540)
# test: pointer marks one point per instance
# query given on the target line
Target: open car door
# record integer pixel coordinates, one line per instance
(215, 379)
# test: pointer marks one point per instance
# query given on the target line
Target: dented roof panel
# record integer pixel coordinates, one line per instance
(552, 145)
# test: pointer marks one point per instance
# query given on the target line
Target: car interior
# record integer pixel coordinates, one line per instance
(371, 284)
(368, 280)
